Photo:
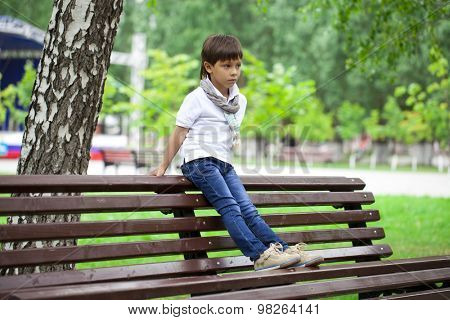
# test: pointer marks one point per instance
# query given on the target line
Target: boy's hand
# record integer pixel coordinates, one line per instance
(175, 140)
(158, 171)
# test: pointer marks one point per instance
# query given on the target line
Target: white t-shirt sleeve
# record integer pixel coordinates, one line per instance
(189, 112)
(243, 107)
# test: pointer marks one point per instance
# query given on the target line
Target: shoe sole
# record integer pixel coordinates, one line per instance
(290, 263)
(287, 264)
(269, 268)
(310, 263)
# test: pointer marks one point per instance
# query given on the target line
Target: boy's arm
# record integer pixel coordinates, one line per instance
(175, 141)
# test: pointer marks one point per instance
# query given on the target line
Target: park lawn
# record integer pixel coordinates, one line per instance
(333, 165)
(414, 227)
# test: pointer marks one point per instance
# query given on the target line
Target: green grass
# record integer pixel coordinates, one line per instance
(335, 165)
(414, 227)
(379, 167)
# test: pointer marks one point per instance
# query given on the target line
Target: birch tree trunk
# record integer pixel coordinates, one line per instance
(66, 102)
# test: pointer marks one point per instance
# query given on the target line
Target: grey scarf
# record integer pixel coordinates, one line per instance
(229, 109)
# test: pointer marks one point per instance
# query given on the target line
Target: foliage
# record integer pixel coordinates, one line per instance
(399, 48)
(427, 117)
(36, 13)
(4, 101)
(275, 100)
(380, 32)
(7, 98)
(350, 117)
(168, 80)
(278, 105)
(20, 92)
(115, 98)
(372, 125)
(391, 117)
(317, 37)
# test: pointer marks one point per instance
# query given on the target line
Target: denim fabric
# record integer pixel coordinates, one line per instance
(223, 188)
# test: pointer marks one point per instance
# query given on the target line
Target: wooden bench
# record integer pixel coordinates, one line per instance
(138, 159)
(186, 259)
(118, 157)
(307, 153)
(147, 158)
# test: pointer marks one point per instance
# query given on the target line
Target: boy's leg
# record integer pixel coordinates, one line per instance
(251, 216)
(207, 177)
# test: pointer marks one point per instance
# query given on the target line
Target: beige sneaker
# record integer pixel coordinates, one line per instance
(274, 258)
(306, 259)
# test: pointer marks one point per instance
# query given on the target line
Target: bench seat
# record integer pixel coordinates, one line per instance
(187, 250)
(360, 277)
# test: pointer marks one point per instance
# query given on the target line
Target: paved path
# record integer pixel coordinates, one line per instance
(378, 182)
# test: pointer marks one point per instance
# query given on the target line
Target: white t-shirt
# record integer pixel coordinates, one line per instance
(209, 133)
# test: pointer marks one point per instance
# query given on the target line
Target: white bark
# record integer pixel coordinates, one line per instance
(66, 100)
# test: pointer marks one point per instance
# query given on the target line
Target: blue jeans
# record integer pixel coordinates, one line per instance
(223, 188)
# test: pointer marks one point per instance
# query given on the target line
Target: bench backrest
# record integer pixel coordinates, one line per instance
(147, 157)
(318, 210)
(117, 156)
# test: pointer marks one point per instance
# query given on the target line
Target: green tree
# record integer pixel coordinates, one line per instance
(20, 92)
(372, 125)
(391, 118)
(168, 80)
(427, 115)
(317, 37)
(413, 128)
(278, 105)
(115, 99)
(7, 98)
(350, 120)
(380, 32)
(33, 12)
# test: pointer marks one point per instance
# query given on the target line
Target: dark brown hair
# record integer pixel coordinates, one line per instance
(219, 47)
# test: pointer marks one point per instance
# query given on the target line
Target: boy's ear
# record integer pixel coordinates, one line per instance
(208, 66)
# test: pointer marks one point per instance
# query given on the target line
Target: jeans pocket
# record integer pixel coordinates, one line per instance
(193, 169)
(204, 167)
(186, 169)
(207, 184)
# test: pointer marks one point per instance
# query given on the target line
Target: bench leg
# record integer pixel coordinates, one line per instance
(425, 287)
(191, 234)
(193, 255)
(357, 243)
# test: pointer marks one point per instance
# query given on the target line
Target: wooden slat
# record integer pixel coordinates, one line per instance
(336, 287)
(69, 230)
(203, 284)
(175, 269)
(82, 204)
(433, 294)
(151, 248)
(181, 268)
(94, 183)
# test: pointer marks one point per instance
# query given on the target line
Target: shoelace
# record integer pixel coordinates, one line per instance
(276, 248)
(300, 246)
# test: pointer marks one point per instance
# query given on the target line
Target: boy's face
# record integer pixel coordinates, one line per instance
(224, 73)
